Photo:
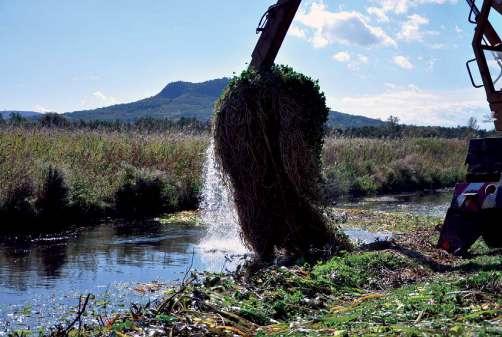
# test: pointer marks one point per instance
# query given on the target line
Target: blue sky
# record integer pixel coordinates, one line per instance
(375, 57)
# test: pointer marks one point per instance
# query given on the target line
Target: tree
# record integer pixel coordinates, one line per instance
(53, 120)
(472, 124)
(393, 126)
(16, 118)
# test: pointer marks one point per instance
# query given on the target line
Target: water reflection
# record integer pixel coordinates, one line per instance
(94, 254)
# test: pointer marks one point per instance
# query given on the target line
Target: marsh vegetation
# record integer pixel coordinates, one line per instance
(92, 174)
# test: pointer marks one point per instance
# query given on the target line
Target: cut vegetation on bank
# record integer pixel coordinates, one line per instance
(405, 288)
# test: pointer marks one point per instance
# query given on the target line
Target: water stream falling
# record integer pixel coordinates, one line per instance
(217, 210)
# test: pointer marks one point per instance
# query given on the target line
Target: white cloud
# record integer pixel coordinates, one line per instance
(342, 57)
(97, 99)
(411, 28)
(379, 13)
(99, 95)
(297, 32)
(42, 109)
(362, 58)
(402, 6)
(357, 62)
(354, 62)
(403, 62)
(414, 106)
(349, 28)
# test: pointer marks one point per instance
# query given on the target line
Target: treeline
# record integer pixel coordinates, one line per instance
(144, 124)
(391, 130)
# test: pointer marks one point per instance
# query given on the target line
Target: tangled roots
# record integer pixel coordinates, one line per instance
(268, 130)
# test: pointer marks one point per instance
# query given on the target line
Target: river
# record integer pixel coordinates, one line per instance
(42, 279)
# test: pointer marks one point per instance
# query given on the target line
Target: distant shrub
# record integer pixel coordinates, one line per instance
(188, 194)
(52, 201)
(145, 194)
(17, 208)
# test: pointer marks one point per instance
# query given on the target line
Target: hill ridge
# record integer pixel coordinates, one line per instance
(182, 99)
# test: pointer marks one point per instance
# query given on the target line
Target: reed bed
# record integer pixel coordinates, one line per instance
(97, 164)
(363, 166)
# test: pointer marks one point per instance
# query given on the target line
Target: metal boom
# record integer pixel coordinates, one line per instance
(273, 26)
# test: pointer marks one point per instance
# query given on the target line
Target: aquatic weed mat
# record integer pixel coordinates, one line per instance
(268, 131)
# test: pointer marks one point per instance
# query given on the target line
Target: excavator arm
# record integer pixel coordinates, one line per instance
(273, 26)
(487, 42)
(476, 208)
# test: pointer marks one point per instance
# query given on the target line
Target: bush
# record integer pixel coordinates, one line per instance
(17, 209)
(145, 194)
(52, 203)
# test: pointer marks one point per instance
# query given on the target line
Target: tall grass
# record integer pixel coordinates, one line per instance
(360, 166)
(112, 173)
(96, 165)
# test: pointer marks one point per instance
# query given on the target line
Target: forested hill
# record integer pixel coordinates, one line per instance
(192, 100)
(176, 100)
(187, 100)
(25, 114)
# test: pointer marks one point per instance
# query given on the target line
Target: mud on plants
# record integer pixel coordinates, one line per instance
(268, 130)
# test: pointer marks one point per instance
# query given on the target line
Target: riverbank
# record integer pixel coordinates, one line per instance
(50, 178)
(54, 177)
(405, 287)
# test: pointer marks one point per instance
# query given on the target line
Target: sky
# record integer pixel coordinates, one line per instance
(376, 58)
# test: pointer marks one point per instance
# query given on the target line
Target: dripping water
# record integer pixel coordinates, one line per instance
(217, 209)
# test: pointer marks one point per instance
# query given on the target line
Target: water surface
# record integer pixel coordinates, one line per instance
(41, 279)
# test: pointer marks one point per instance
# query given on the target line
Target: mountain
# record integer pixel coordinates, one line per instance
(184, 99)
(25, 114)
(176, 100)
(342, 120)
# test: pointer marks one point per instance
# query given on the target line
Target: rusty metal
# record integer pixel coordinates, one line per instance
(476, 208)
(273, 26)
(486, 39)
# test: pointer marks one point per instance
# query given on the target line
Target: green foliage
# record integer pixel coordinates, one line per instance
(144, 194)
(16, 119)
(484, 281)
(95, 165)
(53, 199)
(123, 326)
(53, 120)
(427, 308)
(356, 270)
(268, 137)
(358, 166)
